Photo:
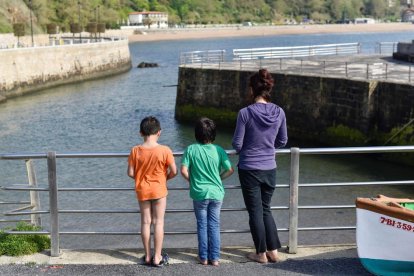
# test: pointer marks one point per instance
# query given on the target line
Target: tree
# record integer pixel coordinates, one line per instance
(377, 8)
(147, 22)
(18, 30)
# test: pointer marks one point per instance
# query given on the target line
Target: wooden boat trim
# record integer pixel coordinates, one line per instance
(387, 206)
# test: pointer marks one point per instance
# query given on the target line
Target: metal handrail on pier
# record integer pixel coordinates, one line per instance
(297, 51)
(293, 186)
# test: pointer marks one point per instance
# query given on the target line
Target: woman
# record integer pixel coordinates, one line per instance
(260, 129)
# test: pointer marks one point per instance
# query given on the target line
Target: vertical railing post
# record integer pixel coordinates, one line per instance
(386, 71)
(34, 195)
(346, 69)
(53, 204)
(293, 200)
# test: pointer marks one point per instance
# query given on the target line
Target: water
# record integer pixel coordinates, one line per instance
(103, 116)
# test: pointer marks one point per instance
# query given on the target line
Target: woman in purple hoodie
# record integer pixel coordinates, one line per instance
(260, 129)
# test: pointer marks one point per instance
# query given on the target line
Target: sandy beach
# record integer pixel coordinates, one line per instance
(211, 32)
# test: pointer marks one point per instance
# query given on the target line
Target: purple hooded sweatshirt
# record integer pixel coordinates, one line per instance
(260, 129)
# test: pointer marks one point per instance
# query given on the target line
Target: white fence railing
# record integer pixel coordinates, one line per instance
(202, 56)
(297, 51)
(384, 48)
(63, 41)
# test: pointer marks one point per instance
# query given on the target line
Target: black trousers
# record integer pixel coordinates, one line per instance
(258, 187)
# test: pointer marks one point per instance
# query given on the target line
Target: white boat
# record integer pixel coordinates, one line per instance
(385, 235)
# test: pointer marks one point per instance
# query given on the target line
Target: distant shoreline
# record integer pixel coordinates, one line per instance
(210, 32)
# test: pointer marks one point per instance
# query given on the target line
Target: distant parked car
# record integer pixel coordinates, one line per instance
(247, 24)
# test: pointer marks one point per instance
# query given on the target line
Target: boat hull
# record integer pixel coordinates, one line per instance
(385, 243)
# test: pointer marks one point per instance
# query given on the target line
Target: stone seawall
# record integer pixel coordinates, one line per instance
(332, 111)
(25, 70)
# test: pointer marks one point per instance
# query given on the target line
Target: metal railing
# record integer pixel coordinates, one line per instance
(402, 73)
(33, 204)
(213, 56)
(298, 60)
(297, 51)
(293, 185)
(386, 48)
(60, 41)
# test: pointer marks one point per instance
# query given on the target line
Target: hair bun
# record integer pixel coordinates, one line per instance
(266, 79)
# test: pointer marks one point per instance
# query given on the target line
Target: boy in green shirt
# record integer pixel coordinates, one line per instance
(205, 165)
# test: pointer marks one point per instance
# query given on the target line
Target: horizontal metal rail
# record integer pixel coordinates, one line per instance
(13, 220)
(333, 184)
(181, 232)
(14, 202)
(26, 213)
(333, 150)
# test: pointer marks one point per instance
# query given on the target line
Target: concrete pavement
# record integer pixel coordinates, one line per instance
(314, 260)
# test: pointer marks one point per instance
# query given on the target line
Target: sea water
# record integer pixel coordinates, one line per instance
(103, 116)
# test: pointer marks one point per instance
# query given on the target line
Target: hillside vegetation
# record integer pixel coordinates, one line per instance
(115, 12)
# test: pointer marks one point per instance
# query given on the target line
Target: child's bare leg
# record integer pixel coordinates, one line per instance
(158, 211)
(145, 207)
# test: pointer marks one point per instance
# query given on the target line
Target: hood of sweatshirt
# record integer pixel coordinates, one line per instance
(264, 114)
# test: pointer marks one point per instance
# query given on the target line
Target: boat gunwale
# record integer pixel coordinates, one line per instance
(387, 206)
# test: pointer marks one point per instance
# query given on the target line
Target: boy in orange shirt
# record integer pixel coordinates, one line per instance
(151, 165)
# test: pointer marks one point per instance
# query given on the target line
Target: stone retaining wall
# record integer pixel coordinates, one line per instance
(26, 70)
(332, 111)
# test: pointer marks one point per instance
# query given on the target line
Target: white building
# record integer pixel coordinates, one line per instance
(364, 21)
(408, 15)
(152, 18)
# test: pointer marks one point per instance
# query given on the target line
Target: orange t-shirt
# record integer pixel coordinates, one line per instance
(150, 166)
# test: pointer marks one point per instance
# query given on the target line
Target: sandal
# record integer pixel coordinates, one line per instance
(144, 262)
(164, 260)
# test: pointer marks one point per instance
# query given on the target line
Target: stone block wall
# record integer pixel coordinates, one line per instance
(26, 70)
(333, 111)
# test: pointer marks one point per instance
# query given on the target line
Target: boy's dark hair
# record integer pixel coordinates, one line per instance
(149, 126)
(205, 131)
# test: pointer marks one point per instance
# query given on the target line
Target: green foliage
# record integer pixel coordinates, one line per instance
(17, 245)
(189, 113)
(18, 29)
(115, 12)
(344, 136)
(401, 137)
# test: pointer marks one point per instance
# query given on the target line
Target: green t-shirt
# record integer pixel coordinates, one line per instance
(205, 162)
